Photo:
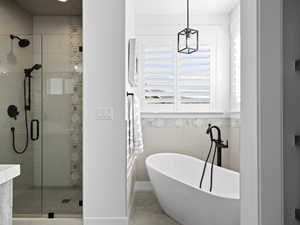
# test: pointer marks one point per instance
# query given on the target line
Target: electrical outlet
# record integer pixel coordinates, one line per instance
(104, 113)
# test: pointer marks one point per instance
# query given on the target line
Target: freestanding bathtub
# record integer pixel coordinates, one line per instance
(176, 179)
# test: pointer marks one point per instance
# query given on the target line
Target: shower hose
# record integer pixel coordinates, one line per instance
(26, 127)
(212, 165)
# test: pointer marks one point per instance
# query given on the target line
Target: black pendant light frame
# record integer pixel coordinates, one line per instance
(186, 34)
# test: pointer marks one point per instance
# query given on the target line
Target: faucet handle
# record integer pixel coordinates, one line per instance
(226, 145)
(222, 145)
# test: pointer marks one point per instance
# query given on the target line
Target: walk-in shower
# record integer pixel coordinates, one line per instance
(41, 107)
(40, 121)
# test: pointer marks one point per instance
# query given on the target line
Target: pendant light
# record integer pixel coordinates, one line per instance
(188, 39)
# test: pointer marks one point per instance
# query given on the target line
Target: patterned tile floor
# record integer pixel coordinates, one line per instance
(147, 211)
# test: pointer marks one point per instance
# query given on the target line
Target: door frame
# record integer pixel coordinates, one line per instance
(262, 113)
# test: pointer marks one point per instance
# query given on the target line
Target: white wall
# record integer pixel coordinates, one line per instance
(261, 113)
(270, 89)
(249, 117)
(104, 147)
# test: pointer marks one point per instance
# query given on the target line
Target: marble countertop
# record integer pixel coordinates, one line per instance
(8, 172)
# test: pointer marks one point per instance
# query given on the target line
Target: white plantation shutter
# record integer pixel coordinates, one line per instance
(174, 82)
(158, 76)
(194, 74)
(236, 73)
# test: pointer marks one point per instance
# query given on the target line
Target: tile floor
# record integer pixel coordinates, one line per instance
(147, 211)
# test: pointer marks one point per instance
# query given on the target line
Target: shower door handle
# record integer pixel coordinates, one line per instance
(37, 135)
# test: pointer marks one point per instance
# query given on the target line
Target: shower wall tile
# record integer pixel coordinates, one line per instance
(186, 136)
(235, 144)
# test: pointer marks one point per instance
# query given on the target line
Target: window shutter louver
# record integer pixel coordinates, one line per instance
(194, 78)
(174, 82)
(159, 76)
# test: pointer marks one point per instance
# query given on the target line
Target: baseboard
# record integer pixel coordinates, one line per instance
(66, 221)
(105, 221)
(143, 186)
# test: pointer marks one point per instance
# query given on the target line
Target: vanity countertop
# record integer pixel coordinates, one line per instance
(8, 172)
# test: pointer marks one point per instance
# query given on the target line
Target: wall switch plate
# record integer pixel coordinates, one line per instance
(104, 113)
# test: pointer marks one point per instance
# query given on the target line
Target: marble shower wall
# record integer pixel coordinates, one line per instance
(234, 139)
(186, 136)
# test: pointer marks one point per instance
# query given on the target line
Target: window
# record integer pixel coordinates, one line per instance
(174, 82)
(235, 58)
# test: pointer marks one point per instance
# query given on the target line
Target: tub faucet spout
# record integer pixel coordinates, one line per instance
(219, 142)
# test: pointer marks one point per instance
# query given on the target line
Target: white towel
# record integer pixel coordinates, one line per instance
(134, 128)
(138, 144)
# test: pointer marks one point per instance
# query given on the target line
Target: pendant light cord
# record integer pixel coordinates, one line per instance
(188, 14)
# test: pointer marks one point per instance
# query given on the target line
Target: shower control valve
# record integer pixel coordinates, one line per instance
(13, 112)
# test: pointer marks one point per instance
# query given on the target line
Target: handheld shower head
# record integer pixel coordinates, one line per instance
(37, 67)
(209, 132)
(23, 43)
(30, 70)
(208, 129)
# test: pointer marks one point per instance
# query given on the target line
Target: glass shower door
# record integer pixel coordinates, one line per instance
(62, 129)
(15, 126)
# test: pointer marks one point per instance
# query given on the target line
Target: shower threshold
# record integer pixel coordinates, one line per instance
(63, 220)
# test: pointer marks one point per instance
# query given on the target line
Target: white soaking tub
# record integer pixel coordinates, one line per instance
(176, 178)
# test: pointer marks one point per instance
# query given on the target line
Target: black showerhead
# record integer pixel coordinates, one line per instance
(23, 43)
(30, 70)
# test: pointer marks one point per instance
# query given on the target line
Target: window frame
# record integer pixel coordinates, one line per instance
(235, 32)
(211, 39)
(235, 100)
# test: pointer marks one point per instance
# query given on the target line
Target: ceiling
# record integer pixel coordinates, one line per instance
(179, 6)
(51, 7)
(74, 7)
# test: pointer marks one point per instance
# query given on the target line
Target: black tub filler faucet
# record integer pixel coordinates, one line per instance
(219, 142)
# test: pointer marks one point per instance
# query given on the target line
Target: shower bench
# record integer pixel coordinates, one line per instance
(7, 174)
